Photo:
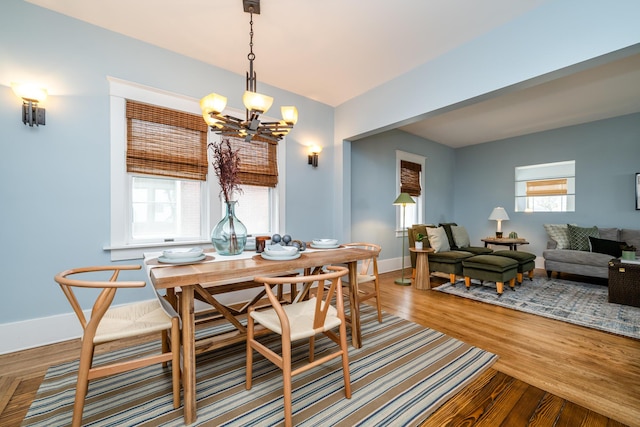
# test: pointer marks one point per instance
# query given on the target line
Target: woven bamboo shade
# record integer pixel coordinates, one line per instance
(166, 142)
(410, 178)
(547, 187)
(258, 162)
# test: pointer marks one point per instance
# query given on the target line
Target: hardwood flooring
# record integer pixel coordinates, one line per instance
(550, 373)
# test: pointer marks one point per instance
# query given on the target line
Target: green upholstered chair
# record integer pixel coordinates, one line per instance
(449, 262)
(476, 250)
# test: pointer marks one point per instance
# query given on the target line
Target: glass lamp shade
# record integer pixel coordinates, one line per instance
(254, 101)
(404, 199)
(29, 92)
(289, 115)
(213, 103)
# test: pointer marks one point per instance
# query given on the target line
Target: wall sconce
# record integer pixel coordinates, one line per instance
(31, 96)
(314, 150)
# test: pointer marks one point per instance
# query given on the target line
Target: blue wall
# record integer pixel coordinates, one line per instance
(373, 186)
(607, 155)
(55, 179)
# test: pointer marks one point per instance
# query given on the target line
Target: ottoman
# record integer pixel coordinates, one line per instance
(526, 262)
(490, 268)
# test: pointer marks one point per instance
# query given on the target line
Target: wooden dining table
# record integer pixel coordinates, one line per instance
(212, 278)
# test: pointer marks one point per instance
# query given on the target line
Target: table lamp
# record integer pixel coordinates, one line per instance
(403, 200)
(499, 214)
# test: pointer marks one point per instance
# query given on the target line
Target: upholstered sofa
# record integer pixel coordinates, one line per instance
(568, 251)
(447, 261)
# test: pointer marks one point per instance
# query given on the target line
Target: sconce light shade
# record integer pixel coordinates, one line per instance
(31, 96)
(314, 150)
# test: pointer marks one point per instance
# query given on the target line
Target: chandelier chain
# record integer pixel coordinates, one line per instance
(251, 55)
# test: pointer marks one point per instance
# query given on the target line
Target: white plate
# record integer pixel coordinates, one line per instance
(191, 260)
(325, 242)
(278, 250)
(180, 253)
(279, 258)
(313, 245)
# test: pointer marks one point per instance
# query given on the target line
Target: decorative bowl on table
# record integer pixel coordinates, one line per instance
(324, 243)
(182, 253)
(182, 256)
(279, 252)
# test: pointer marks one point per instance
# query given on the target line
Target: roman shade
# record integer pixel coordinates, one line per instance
(547, 187)
(410, 178)
(258, 162)
(165, 142)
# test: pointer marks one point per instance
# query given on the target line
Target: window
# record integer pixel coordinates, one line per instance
(172, 197)
(548, 187)
(409, 172)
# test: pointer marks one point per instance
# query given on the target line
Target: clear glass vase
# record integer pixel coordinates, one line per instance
(230, 235)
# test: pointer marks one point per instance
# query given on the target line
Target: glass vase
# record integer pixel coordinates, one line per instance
(230, 235)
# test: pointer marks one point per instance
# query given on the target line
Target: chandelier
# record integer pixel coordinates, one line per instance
(255, 103)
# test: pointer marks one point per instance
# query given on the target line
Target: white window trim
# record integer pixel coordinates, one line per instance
(546, 171)
(121, 90)
(421, 160)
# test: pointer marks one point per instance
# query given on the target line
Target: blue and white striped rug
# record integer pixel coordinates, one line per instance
(401, 375)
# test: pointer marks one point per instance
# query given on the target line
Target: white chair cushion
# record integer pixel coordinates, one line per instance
(132, 320)
(362, 278)
(300, 317)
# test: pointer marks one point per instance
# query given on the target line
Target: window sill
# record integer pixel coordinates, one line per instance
(136, 251)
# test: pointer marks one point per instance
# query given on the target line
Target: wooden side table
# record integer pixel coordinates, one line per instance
(504, 241)
(422, 280)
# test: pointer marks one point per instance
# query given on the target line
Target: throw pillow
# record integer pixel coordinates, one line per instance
(438, 239)
(579, 237)
(559, 233)
(460, 236)
(604, 246)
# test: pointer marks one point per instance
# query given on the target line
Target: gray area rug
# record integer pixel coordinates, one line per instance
(579, 303)
(400, 376)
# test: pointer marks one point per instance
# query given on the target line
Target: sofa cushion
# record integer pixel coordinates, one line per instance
(449, 257)
(559, 233)
(604, 246)
(579, 236)
(608, 233)
(438, 239)
(460, 236)
(447, 229)
(577, 257)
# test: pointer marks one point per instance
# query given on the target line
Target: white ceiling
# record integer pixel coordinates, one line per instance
(334, 50)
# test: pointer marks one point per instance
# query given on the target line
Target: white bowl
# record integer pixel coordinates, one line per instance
(280, 251)
(325, 242)
(182, 253)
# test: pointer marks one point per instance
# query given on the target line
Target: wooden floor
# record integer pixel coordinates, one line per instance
(549, 373)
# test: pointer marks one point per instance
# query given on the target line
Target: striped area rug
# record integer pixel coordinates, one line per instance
(401, 375)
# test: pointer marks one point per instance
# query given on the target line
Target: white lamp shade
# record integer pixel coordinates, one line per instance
(499, 214)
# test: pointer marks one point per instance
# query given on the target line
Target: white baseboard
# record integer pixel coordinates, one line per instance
(38, 332)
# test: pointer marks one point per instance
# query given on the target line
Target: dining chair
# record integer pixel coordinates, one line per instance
(107, 324)
(367, 274)
(305, 318)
